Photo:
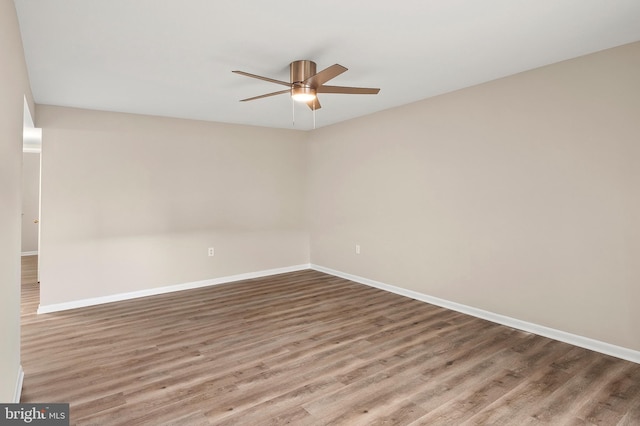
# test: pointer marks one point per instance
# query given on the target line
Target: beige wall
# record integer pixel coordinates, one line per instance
(30, 200)
(132, 202)
(14, 85)
(520, 196)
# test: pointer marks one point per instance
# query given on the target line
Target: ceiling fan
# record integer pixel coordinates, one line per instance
(306, 83)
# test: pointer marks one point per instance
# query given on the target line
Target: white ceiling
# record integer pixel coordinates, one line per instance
(174, 58)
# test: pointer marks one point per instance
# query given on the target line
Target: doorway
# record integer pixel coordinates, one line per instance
(31, 152)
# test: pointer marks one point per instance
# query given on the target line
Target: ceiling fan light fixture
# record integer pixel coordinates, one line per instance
(303, 93)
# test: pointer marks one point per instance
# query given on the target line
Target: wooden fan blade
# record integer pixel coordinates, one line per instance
(348, 90)
(266, 96)
(325, 75)
(314, 104)
(259, 77)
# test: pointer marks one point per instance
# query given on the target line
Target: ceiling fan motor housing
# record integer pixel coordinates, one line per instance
(301, 70)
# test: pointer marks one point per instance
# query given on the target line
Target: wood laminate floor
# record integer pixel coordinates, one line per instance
(306, 348)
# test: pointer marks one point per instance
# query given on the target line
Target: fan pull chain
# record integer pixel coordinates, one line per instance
(314, 116)
(293, 113)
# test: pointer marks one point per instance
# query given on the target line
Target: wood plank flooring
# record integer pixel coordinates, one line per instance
(307, 348)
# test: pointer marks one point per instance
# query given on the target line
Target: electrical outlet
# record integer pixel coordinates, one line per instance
(357, 248)
(211, 251)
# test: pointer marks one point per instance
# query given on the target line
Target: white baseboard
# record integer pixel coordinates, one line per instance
(45, 309)
(18, 392)
(29, 253)
(573, 339)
